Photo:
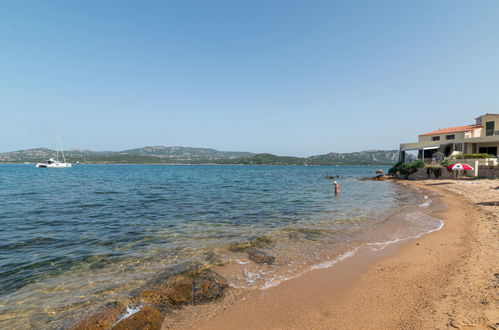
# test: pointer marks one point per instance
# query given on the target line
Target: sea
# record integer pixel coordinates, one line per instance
(74, 239)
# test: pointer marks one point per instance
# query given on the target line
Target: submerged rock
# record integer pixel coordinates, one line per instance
(260, 257)
(214, 259)
(381, 177)
(208, 286)
(191, 287)
(257, 242)
(179, 292)
(306, 233)
(148, 318)
(102, 319)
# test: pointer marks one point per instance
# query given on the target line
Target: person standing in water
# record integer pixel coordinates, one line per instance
(336, 188)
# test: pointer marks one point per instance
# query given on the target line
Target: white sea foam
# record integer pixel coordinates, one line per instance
(251, 277)
(427, 203)
(381, 245)
(330, 263)
(130, 310)
(278, 279)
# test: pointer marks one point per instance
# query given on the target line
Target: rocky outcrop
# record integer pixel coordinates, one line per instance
(170, 290)
(380, 177)
(104, 318)
(148, 318)
(191, 287)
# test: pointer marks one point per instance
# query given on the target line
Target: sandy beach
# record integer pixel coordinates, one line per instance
(446, 279)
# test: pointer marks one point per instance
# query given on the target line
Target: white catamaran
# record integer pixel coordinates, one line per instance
(55, 163)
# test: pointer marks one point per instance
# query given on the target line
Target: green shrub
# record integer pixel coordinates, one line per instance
(435, 170)
(418, 163)
(468, 156)
(394, 169)
(406, 169)
(445, 163)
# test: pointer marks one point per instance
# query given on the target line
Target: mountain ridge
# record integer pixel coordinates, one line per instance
(190, 155)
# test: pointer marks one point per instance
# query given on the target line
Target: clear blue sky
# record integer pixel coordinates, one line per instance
(286, 77)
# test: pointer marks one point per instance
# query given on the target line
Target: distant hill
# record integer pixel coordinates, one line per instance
(26, 155)
(266, 159)
(42, 154)
(368, 157)
(185, 155)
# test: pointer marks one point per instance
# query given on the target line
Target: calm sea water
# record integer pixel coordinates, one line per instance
(72, 239)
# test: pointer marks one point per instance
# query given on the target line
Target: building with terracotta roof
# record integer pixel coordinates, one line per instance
(481, 137)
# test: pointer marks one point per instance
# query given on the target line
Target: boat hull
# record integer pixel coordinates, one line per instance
(59, 165)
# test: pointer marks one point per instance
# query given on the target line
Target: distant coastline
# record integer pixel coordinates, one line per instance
(204, 164)
(161, 155)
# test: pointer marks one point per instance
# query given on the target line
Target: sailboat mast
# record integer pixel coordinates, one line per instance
(56, 148)
(60, 146)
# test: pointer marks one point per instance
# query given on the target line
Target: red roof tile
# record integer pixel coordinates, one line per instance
(454, 129)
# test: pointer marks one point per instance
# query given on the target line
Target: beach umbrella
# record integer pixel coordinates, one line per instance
(459, 167)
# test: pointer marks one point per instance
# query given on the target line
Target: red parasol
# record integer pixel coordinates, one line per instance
(459, 167)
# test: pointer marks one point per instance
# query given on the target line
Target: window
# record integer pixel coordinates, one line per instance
(450, 137)
(488, 150)
(489, 128)
(435, 138)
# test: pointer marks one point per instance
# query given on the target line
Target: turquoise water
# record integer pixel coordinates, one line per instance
(79, 237)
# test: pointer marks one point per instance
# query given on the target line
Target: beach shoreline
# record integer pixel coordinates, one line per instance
(445, 279)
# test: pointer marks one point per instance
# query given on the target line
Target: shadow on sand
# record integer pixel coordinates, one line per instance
(439, 184)
(488, 203)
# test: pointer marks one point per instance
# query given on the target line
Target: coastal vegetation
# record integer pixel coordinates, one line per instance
(406, 169)
(265, 159)
(435, 170)
(473, 156)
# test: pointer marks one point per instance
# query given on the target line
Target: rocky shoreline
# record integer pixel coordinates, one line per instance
(381, 177)
(183, 285)
(167, 292)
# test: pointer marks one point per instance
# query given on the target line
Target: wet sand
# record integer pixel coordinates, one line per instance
(446, 279)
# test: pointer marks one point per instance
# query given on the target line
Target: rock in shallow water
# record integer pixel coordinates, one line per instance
(208, 286)
(191, 287)
(102, 319)
(148, 318)
(260, 257)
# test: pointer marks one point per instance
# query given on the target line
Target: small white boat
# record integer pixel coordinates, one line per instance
(55, 163)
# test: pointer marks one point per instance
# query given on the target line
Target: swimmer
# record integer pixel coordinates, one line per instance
(336, 188)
